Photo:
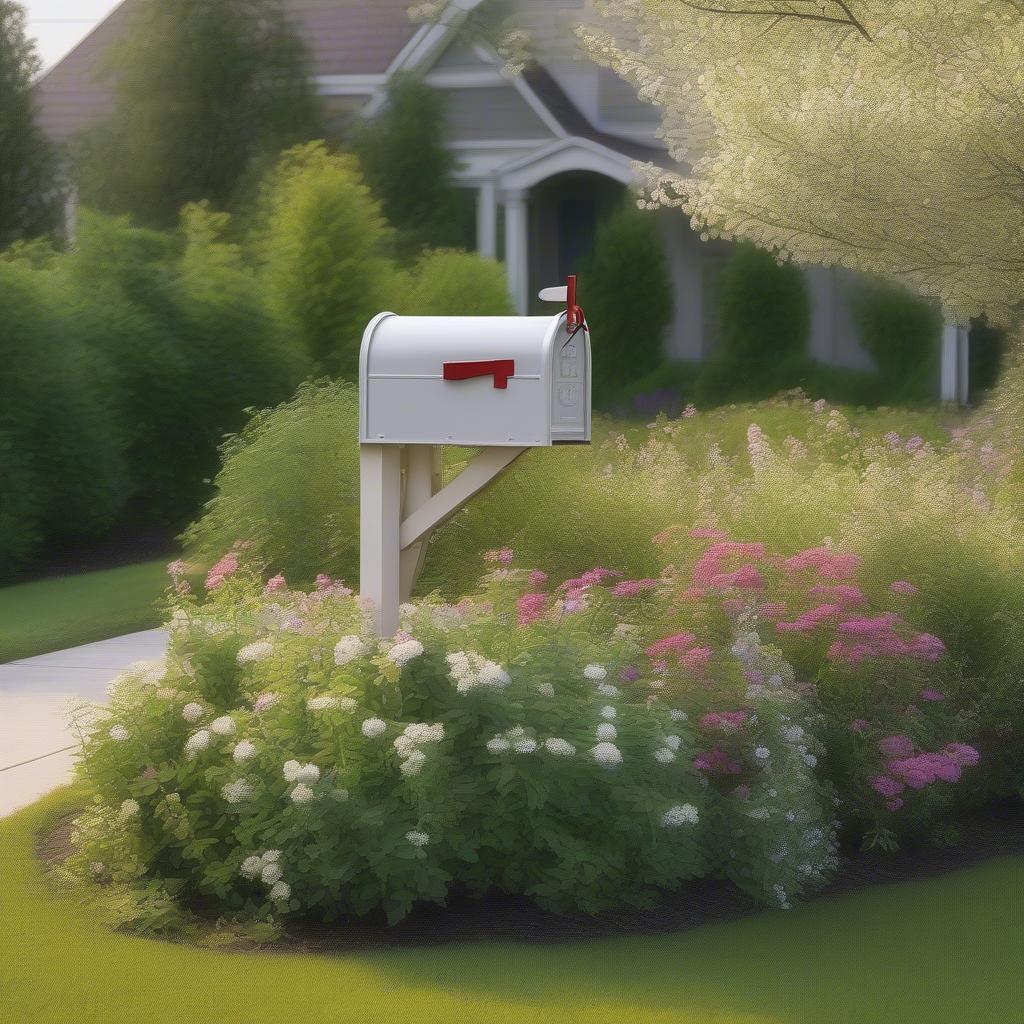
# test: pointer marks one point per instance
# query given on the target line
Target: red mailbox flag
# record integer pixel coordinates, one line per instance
(500, 369)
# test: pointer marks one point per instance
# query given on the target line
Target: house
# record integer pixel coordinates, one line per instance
(547, 151)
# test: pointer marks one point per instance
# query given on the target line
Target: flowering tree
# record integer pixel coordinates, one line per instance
(882, 136)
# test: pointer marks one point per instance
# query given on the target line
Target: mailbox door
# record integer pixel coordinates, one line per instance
(570, 388)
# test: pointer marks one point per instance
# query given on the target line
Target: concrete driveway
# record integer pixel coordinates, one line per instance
(35, 697)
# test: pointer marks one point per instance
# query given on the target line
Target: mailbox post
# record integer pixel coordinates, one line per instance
(499, 384)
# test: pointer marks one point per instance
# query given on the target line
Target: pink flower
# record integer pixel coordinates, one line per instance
(932, 695)
(505, 556)
(903, 587)
(591, 578)
(913, 771)
(771, 610)
(274, 584)
(712, 562)
(707, 533)
(859, 725)
(716, 762)
(810, 620)
(829, 564)
(264, 701)
(914, 443)
(886, 785)
(677, 644)
(530, 607)
(537, 578)
(841, 593)
(225, 567)
(690, 411)
(632, 588)
(176, 568)
(893, 439)
(629, 674)
(963, 754)
(723, 720)
(896, 746)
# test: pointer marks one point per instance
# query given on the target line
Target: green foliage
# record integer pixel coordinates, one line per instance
(59, 438)
(30, 200)
(204, 88)
(409, 169)
(626, 290)
(447, 282)
(764, 320)
(322, 250)
(901, 333)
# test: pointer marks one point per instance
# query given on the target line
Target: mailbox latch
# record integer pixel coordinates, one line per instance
(500, 369)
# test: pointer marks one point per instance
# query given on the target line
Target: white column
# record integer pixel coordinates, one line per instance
(422, 482)
(380, 514)
(963, 376)
(487, 220)
(517, 265)
(949, 363)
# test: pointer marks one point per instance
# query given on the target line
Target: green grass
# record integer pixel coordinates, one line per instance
(943, 951)
(49, 615)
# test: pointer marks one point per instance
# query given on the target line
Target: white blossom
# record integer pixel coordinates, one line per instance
(129, 808)
(607, 754)
(271, 856)
(559, 747)
(251, 866)
(280, 891)
(498, 745)
(413, 764)
(119, 733)
(792, 734)
(223, 726)
(271, 873)
(680, 814)
(664, 755)
(374, 727)
(196, 742)
(340, 794)
(403, 653)
(524, 745)
(810, 760)
(348, 648)
(676, 715)
(302, 794)
(607, 690)
(607, 731)
(244, 750)
(672, 742)
(417, 838)
(308, 773)
(546, 690)
(258, 651)
(468, 670)
(608, 712)
(291, 770)
(595, 672)
(762, 753)
(236, 792)
(322, 703)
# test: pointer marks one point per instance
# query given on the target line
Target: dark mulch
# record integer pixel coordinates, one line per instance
(998, 831)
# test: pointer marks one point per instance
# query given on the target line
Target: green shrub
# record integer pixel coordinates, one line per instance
(61, 442)
(626, 292)
(409, 169)
(322, 250)
(447, 282)
(901, 333)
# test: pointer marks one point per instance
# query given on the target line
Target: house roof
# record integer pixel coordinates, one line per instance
(350, 37)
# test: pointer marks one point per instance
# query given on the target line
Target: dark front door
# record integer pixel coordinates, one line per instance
(577, 224)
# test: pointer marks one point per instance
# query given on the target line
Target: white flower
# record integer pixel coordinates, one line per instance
(196, 742)
(546, 690)
(680, 814)
(259, 651)
(417, 733)
(606, 731)
(468, 670)
(607, 754)
(291, 771)
(280, 891)
(302, 794)
(417, 838)
(607, 690)
(498, 745)
(271, 873)
(414, 763)
(608, 712)
(664, 755)
(559, 747)
(340, 794)
(244, 750)
(129, 808)
(792, 734)
(322, 703)
(403, 653)
(119, 733)
(672, 742)
(373, 727)
(271, 856)
(237, 791)
(308, 773)
(596, 672)
(347, 649)
(810, 760)
(98, 868)
(762, 753)
(525, 745)
(223, 726)
(251, 866)
(676, 715)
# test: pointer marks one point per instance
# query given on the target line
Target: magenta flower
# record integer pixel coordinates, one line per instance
(632, 588)
(677, 644)
(537, 578)
(225, 567)
(886, 785)
(716, 762)
(932, 695)
(505, 556)
(915, 772)
(896, 746)
(530, 607)
(274, 584)
(810, 620)
(629, 674)
(176, 568)
(962, 754)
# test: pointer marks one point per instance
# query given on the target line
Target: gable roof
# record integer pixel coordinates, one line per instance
(350, 37)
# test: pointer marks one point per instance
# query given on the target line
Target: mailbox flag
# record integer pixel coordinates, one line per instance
(500, 369)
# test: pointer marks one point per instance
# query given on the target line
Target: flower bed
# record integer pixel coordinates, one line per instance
(588, 743)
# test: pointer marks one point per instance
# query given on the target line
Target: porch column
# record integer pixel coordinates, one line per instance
(963, 365)
(949, 366)
(487, 220)
(517, 265)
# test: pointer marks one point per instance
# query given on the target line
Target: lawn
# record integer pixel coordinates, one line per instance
(49, 615)
(942, 950)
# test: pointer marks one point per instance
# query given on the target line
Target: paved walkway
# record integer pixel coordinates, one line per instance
(35, 696)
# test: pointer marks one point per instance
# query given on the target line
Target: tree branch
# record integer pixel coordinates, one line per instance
(848, 19)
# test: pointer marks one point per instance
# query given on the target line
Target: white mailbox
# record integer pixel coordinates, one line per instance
(477, 381)
(502, 384)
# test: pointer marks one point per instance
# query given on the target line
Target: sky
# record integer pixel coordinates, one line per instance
(57, 25)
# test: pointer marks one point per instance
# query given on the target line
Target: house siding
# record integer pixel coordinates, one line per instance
(490, 114)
